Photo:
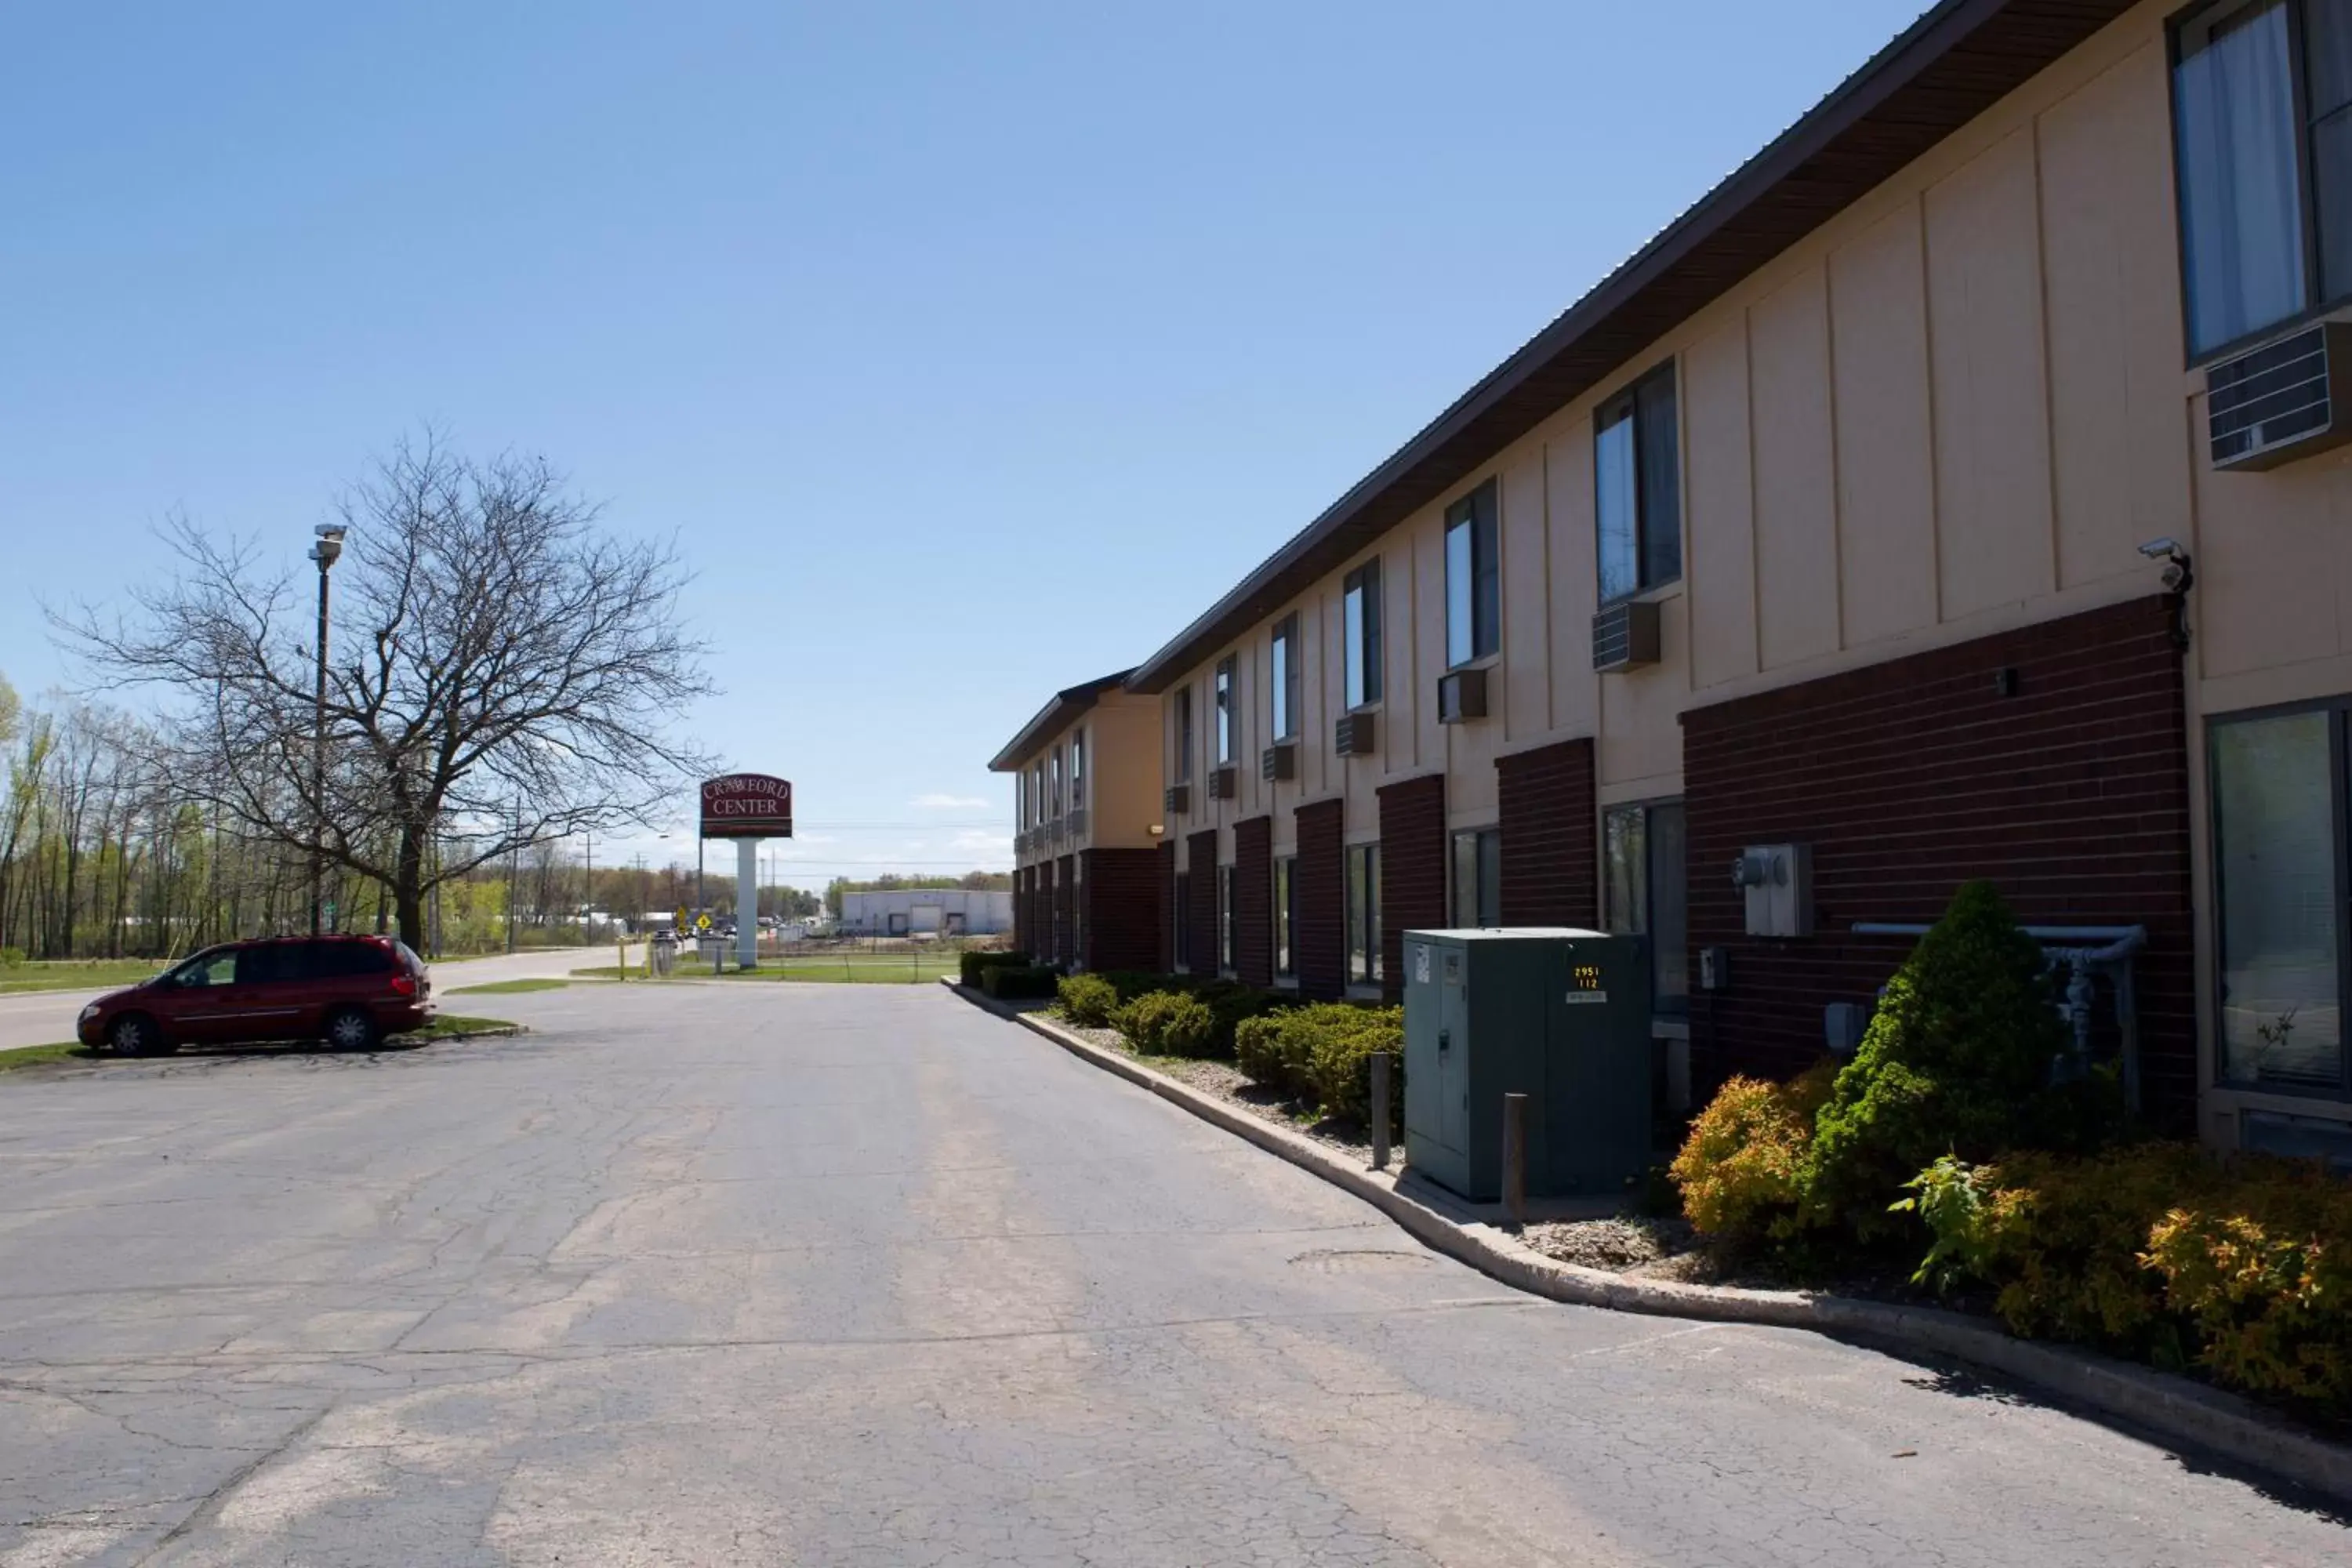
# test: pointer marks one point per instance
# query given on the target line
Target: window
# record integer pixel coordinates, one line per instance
(2279, 847)
(1183, 921)
(1077, 906)
(1286, 965)
(217, 967)
(1054, 786)
(1637, 488)
(1078, 771)
(1226, 887)
(1645, 893)
(1477, 877)
(1285, 678)
(1364, 913)
(1183, 734)
(1021, 800)
(1224, 716)
(2262, 108)
(1362, 618)
(1037, 789)
(1473, 595)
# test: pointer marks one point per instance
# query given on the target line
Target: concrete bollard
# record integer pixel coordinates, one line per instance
(1380, 1060)
(622, 948)
(1515, 1159)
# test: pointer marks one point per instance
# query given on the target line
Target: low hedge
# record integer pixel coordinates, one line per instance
(1229, 1002)
(1167, 1024)
(1741, 1170)
(1323, 1053)
(2241, 1266)
(972, 965)
(1017, 982)
(1088, 1000)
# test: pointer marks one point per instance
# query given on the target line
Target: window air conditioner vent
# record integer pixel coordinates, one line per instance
(1461, 696)
(1354, 736)
(1176, 799)
(1223, 784)
(1625, 635)
(1278, 761)
(2279, 402)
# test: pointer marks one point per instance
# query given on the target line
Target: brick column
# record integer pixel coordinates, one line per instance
(1254, 901)
(1201, 866)
(1551, 860)
(2067, 788)
(1319, 932)
(1064, 952)
(1119, 890)
(1412, 870)
(1169, 913)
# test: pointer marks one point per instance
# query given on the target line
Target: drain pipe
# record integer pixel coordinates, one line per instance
(2068, 945)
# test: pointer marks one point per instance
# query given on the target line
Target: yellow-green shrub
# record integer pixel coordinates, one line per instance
(1739, 1168)
(1258, 1051)
(1164, 1023)
(1341, 1043)
(2264, 1275)
(1087, 1000)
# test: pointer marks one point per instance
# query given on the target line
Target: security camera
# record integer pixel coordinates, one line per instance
(2160, 548)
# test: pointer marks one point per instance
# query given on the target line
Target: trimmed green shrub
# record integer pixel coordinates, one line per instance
(1166, 1023)
(1087, 1000)
(972, 965)
(1957, 1060)
(1739, 1169)
(1258, 1051)
(1014, 982)
(1340, 1059)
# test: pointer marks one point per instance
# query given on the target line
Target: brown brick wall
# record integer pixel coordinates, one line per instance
(1550, 837)
(1169, 914)
(1912, 776)
(1064, 953)
(1412, 870)
(1119, 890)
(1254, 901)
(1320, 893)
(1200, 866)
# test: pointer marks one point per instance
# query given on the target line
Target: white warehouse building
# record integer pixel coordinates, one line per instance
(927, 911)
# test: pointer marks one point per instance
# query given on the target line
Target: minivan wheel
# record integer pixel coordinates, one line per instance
(135, 1035)
(351, 1029)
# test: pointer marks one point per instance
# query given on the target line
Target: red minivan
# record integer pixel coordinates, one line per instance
(348, 991)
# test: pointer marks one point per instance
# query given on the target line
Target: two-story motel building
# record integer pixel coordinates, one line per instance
(1849, 515)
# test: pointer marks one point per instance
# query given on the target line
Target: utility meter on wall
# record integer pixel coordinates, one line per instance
(1778, 879)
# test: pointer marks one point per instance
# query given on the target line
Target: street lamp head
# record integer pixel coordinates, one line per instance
(329, 546)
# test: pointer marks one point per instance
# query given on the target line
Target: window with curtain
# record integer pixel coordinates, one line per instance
(2261, 99)
(1363, 914)
(2279, 860)
(1474, 595)
(1287, 684)
(1645, 892)
(1183, 734)
(1361, 617)
(1637, 488)
(1224, 716)
(1286, 965)
(1226, 891)
(1477, 876)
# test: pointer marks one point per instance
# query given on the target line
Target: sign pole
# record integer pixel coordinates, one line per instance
(747, 903)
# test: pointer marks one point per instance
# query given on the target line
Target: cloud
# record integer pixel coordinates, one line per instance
(936, 802)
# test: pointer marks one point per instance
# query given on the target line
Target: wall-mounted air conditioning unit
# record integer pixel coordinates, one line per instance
(1461, 696)
(1223, 784)
(1625, 636)
(1354, 736)
(1278, 761)
(1176, 799)
(2281, 401)
(1078, 825)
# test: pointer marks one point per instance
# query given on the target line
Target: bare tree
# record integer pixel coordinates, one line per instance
(507, 673)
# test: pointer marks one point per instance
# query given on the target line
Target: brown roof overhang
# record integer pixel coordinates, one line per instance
(1060, 708)
(1945, 70)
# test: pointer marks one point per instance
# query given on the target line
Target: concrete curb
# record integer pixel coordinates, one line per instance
(2171, 1408)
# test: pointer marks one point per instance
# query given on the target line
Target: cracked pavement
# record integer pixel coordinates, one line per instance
(706, 1274)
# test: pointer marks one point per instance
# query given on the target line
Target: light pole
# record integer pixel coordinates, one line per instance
(329, 547)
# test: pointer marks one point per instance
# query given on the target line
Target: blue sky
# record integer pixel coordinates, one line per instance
(969, 350)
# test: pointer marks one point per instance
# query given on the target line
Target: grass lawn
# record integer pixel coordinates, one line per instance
(75, 975)
(442, 1027)
(861, 969)
(508, 987)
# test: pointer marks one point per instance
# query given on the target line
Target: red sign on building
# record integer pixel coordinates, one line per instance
(747, 805)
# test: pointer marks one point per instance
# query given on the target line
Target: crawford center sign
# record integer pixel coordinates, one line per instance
(747, 805)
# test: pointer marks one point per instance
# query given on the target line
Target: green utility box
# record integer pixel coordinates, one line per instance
(1559, 1015)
